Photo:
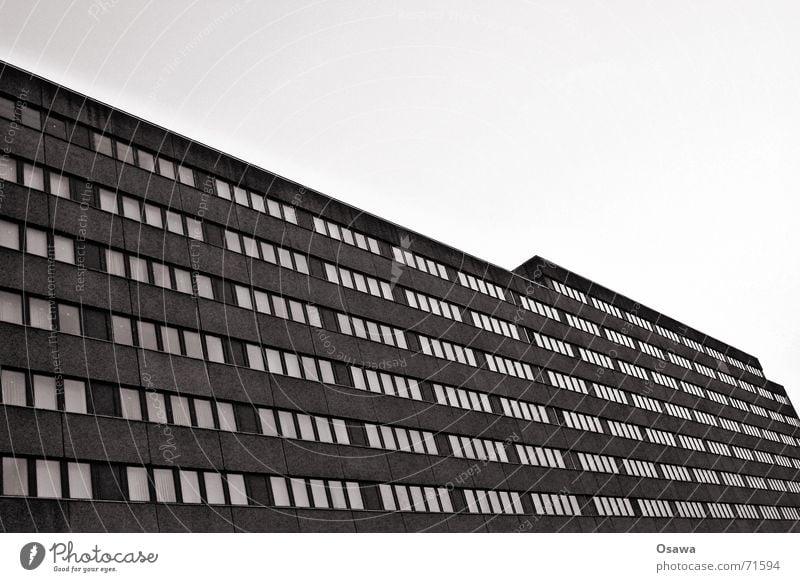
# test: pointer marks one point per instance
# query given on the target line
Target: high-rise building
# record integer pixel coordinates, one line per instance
(188, 342)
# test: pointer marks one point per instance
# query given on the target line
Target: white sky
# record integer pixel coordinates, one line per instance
(650, 146)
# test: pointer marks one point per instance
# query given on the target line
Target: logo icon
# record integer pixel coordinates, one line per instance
(31, 555)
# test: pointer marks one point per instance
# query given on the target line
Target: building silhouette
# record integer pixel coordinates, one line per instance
(191, 343)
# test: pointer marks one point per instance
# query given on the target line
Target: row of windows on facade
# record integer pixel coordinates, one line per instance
(135, 404)
(229, 191)
(54, 479)
(213, 348)
(184, 342)
(139, 270)
(178, 223)
(34, 177)
(644, 324)
(266, 251)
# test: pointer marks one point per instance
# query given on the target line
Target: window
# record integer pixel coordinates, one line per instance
(166, 168)
(193, 344)
(152, 215)
(138, 489)
(226, 417)
(48, 479)
(202, 411)
(146, 160)
(186, 175)
(74, 396)
(131, 209)
(139, 270)
(183, 280)
(214, 492)
(9, 235)
(36, 241)
(115, 263)
(190, 486)
(80, 480)
(204, 288)
(156, 409)
(170, 340)
(130, 404)
(102, 144)
(44, 392)
(236, 489)
(164, 485)
(33, 177)
(10, 307)
(15, 476)
(174, 222)
(59, 185)
(214, 348)
(147, 335)
(122, 330)
(108, 200)
(13, 387)
(39, 313)
(180, 411)
(64, 249)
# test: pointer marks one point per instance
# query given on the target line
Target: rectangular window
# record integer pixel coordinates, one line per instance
(36, 241)
(33, 177)
(44, 392)
(108, 200)
(186, 175)
(194, 347)
(147, 335)
(122, 330)
(9, 235)
(152, 215)
(10, 307)
(174, 222)
(64, 249)
(214, 492)
(69, 320)
(190, 486)
(146, 160)
(15, 476)
(138, 489)
(280, 493)
(130, 404)
(74, 396)
(115, 263)
(236, 489)
(39, 313)
(214, 349)
(227, 421)
(131, 209)
(166, 168)
(102, 144)
(183, 280)
(170, 340)
(48, 479)
(165, 485)
(13, 388)
(156, 407)
(139, 270)
(202, 411)
(59, 185)
(80, 480)
(180, 411)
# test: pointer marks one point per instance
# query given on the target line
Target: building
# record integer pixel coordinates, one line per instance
(189, 343)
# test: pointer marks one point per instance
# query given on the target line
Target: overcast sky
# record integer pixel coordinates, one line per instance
(650, 146)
